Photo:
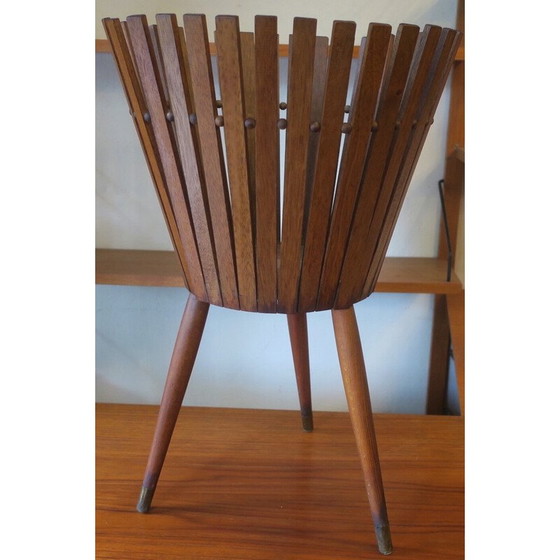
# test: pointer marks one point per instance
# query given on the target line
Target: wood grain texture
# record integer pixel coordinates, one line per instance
(148, 75)
(196, 45)
(300, 92)
(353, 159)
(180, 368)
(440, 65)
(267, 161)
(359, 405)
(322, 188)
(297, 326)
(231, 87)
(137, 106)
(395, 78)
(175, 71)
(251, 485)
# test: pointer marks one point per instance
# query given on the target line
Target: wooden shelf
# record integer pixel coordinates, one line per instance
(103, 46)
(161, 268)
(251, 484)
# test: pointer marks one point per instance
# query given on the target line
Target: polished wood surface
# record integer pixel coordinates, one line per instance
(180, 369)
(126, 267)
(356, 387)
(299, 341)
(251, 485)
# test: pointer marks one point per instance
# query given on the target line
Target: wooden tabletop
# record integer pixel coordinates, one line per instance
(250, 484)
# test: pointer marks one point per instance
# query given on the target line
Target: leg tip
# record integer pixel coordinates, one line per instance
(307, 423)
(145, 500)
(384, 544)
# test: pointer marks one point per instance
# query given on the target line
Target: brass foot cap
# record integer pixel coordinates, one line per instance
(307, 422)
(384, 544)
(145, 500)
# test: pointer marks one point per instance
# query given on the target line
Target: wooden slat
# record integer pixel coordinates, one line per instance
(321, 191)
(247, 44)
(154, 37)
(267, 163)
(440, 65)
(127, 72)
(139, 37)
(196, 44)
(353, 159)
(123, 267)
(175, 72)
(251, 485)
(395, 78)
(231, 87)
(319, 80)
(300, 91)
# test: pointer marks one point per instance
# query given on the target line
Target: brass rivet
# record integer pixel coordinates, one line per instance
(219, 120)
(219, 103)
(375, 125)
(346, 128)
(282, 124)
(283, 105)
(250, 123)
(346, 108)
(192, 118)
(147, 117)
(315, 126)
(169, 116)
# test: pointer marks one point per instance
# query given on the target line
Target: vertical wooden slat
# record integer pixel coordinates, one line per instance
(127, 70)
(249, 95)
(231, 86)
(198, 55)
(159, 62)
(353, 158)
(440, 65)
(300, 90)
(319, 80)
(394, 83)
(175, 73)
(267, 164)
(321, 192)
(151, 85)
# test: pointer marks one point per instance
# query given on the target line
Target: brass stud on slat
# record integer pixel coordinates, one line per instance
(219, 120)
(283, 105)
(282, 124)
(147, 117)
(219, 103)
(250, 122)
(346, 108)
(192, 118)
(374, 126)
(169, 116)
(315, 126)
(346, 128)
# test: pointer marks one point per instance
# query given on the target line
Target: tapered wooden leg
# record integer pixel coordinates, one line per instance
(182, 361)
(297, 325)
(359, 404)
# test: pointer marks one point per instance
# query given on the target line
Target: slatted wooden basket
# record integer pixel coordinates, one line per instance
(346, 150)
